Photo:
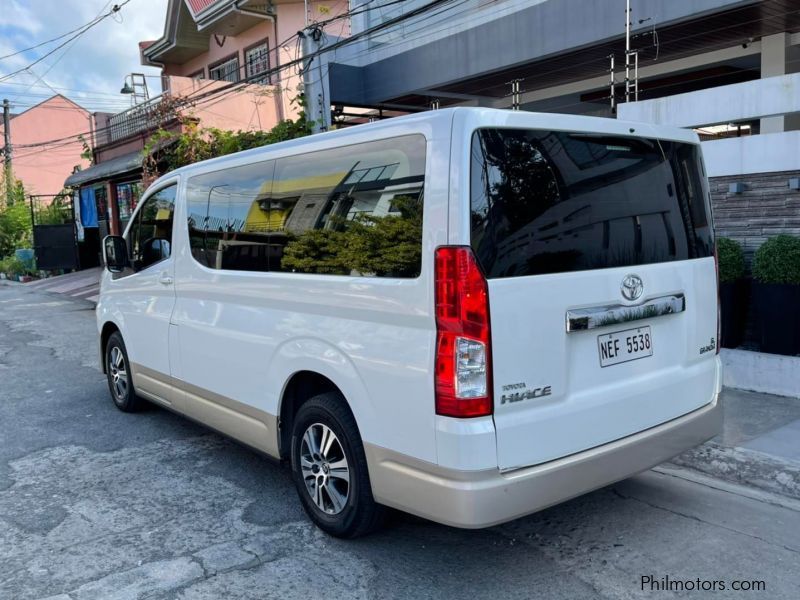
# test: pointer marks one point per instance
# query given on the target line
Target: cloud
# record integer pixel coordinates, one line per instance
(95, 63)
(17, 16)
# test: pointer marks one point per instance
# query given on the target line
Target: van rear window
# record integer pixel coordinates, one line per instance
(554, 201)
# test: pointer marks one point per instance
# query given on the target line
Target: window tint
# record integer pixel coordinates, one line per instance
(150, 235)
(549, 202)
(229, 218)
(354, 210)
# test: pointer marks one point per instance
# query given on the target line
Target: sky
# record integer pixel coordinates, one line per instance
(89, 71)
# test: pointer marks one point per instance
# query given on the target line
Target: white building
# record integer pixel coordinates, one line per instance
(728, 68)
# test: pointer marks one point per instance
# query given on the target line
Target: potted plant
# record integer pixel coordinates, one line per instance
(733, 291)
(776, 275)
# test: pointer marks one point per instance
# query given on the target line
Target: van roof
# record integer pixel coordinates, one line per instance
(467, 116)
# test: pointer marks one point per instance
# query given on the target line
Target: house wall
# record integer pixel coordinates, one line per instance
(229, 45)
(290, 19)
(254, 107)
(766, 207)
(764, 153)
(763, 97)
(43, 171)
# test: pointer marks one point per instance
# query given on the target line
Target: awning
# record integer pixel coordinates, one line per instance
(116, 166)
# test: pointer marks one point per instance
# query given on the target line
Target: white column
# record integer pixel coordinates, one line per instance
(774, 49)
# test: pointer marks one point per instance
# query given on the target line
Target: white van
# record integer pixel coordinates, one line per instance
(467, 314)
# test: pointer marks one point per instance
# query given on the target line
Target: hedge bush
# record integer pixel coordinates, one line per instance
(731, 260)
(778, 260)
(12, 266)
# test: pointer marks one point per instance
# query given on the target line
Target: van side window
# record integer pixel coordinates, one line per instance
(353, 210)
(150, 235)
(229, 217)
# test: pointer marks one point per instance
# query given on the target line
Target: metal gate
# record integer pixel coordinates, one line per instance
(55, 245)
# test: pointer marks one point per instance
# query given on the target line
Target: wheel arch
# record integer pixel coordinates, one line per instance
(108, 329)
(308, 367)
(299, 388)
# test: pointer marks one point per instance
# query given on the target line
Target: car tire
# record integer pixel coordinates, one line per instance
(118, 373)
(329, 468)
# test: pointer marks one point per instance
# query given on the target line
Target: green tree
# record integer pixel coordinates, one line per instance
(15, 221)
(169, 150)
(388, 245)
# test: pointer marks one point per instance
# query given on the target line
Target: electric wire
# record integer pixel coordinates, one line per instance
(116, 8)
(196, 97)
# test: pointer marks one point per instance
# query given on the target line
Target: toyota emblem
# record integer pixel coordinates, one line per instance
(632, 287)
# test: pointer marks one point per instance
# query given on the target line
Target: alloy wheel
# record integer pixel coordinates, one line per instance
(324, 467)
(119, 373)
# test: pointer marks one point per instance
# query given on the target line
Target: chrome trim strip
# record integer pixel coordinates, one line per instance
(581, 319)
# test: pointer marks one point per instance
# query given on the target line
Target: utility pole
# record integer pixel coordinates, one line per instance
(7, 150)
(318, 112)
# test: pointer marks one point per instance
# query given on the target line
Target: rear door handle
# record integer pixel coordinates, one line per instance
(165, 279)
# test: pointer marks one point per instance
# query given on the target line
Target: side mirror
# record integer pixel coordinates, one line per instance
(115, 253)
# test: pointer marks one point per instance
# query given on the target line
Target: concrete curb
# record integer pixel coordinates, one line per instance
(745, 467)
(761, 372)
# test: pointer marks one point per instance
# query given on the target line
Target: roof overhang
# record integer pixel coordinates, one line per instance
(181, 40)
(232, 17)
(121, 165)
(471, 65)
(190, 23)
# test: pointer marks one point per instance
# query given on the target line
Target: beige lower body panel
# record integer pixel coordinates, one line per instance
(474, 499)
(244, 423)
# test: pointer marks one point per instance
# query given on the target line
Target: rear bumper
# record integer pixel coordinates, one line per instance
(474, 499)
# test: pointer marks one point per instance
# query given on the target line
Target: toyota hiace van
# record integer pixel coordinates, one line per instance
(467, 314)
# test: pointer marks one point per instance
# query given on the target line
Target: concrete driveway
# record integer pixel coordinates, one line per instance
(95, 503)
(83, 285)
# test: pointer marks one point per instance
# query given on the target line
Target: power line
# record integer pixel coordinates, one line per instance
(55, 39)
(69, 46)
(63, 89)
(340, 43)
(80, 31)
(203, 96)
(198, 97)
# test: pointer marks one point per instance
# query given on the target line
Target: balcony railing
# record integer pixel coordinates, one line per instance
(141, 117)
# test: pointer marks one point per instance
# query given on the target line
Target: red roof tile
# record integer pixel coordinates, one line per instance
(198, 5)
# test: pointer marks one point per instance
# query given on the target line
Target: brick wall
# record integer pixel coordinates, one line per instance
(764, 209)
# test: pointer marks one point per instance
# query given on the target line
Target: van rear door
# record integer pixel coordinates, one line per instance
(598, 250)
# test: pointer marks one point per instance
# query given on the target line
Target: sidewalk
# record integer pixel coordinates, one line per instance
(80, 284)
(759, 445)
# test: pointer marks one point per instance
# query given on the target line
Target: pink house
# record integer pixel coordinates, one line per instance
(207, 46)
(44, 169)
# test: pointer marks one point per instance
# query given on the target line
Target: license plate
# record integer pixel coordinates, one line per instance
(624, 346)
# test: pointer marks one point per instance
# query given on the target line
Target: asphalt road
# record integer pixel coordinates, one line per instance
(95, 503)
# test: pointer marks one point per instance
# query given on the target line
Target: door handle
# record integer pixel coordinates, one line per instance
(165, 279)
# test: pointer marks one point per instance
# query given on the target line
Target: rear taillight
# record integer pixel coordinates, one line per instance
(463, 350)
(719, 316)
